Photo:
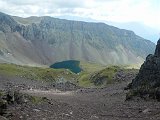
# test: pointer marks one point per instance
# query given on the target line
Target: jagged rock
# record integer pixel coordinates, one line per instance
(147, 82)
(157, 51)
(7, 23)
(146, 111)
(3, 106)
(66, 86)
(3, 118)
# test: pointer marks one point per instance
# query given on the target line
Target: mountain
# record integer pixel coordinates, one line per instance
(46, 40)
(140, 29)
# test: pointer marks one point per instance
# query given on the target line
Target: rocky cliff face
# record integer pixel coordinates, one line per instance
(147, 82)
(45, 40)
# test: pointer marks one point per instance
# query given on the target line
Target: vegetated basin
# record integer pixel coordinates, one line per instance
(72, 65)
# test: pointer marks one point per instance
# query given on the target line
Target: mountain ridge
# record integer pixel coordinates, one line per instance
(46, 40)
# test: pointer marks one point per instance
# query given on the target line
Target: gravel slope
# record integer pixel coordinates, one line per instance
(87, 104)
(81, 104)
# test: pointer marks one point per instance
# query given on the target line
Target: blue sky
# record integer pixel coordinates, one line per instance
(141, 16)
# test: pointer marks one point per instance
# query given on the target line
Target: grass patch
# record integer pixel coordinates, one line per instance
(98, 79)
(84, 81)
(35, 73)
(91, 67)
(36, 100)
(105, 76)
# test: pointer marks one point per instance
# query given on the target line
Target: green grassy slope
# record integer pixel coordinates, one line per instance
(35, 73)
(105, 76)
(93, 75)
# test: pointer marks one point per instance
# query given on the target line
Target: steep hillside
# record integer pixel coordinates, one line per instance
(46, 40)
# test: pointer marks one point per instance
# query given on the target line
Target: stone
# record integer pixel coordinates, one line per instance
(146, 111)
(3, 106)
(36, 110)
(157, 51)
(3, 118)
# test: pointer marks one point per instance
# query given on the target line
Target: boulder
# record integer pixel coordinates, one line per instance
(3, 118)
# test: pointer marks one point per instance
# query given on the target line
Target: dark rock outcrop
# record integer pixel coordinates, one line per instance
(157, 51)
(11, 100)
(147, 82)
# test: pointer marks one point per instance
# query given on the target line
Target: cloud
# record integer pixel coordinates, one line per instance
(45, 3)
(25, 8)
(142, 11)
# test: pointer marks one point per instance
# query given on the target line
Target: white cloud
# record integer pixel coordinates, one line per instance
(142, 11)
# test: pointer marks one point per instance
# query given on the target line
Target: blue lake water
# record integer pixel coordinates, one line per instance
(72, 65)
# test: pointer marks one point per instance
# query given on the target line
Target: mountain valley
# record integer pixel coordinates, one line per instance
(57, 69)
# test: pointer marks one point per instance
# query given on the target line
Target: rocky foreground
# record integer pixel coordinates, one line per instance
(82, 104)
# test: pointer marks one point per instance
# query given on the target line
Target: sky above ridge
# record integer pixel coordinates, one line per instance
(123, 13)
